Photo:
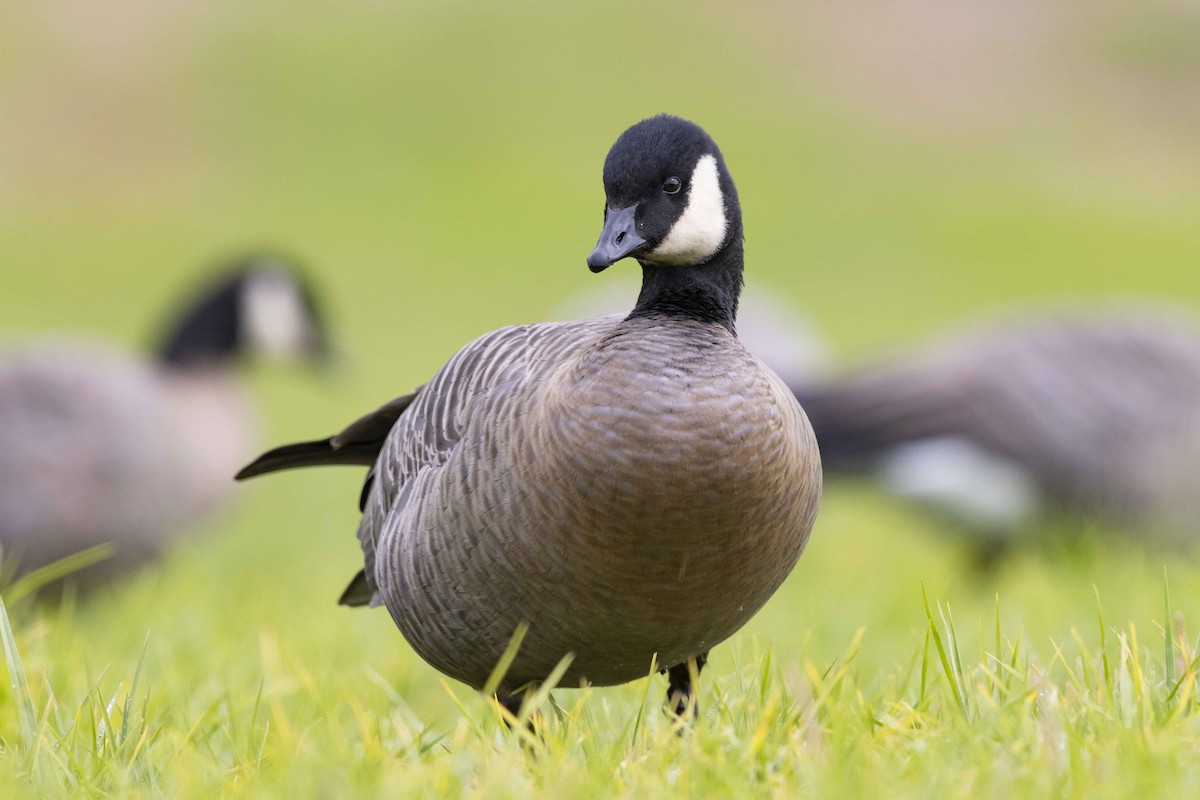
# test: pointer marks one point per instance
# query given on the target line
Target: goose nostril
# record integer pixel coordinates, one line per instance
(620, 238)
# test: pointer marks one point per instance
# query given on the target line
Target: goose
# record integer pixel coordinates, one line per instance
(1089, 414)
(628, 490)
(102, 446)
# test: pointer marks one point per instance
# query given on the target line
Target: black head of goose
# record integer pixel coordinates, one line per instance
(99, 446)
(631, 487)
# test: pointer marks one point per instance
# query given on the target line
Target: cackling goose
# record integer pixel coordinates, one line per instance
(99, 446)
(1093, 414)
(632, 487)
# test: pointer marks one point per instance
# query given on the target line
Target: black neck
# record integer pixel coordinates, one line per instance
(707, 292)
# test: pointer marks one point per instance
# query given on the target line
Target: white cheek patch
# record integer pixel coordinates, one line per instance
(700, 229)
(274, 317)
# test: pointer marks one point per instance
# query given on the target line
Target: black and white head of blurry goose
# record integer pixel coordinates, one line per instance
(671, 204)
(102, 446)
(260, 309)
(262, 306)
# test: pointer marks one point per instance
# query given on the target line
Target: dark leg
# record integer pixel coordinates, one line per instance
(511, 702)
(681, 697)
(988, 555)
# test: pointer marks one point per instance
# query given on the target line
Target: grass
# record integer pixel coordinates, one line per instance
(1096, 714)
(438, 166)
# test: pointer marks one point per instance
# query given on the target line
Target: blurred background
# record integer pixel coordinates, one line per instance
(904, 167)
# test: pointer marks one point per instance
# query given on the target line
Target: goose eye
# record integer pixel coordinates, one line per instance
(671, 185)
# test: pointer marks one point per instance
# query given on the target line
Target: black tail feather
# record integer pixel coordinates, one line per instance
(359, 592)
(358, 445)
(319, 453)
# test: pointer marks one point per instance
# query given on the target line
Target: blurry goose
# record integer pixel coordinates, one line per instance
(1097, 415)
(99, 446)
(633, 487)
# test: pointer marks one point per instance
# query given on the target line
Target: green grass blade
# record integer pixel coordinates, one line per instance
(31, 581)
(506, 659)
(1168, 654)
(1108, 683)
(539, 698)
(924, 668)
(641, 712)
(947, 668)
(16, 677)
(1190, 672)
(127, 709)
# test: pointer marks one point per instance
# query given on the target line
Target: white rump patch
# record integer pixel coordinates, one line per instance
(964, 481)
(274, 317)
(700, 229)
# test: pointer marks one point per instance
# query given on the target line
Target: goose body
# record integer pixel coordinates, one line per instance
(1095, 414)
(632, 487)
(590, 482)
(99, 446)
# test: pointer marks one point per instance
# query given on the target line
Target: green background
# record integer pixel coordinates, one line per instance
(903, 168)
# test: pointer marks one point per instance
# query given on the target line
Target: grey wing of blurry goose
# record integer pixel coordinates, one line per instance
(103, 447)
(1072, 411)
